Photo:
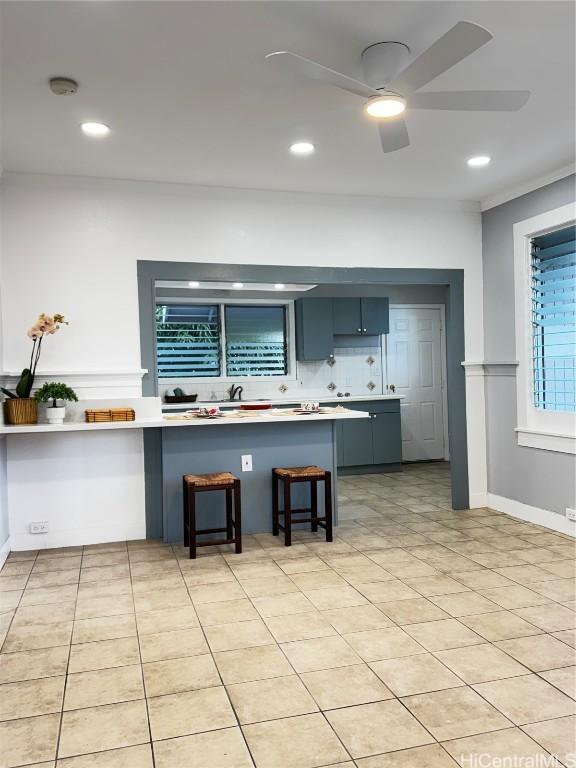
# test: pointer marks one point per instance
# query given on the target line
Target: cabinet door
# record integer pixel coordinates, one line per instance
(386, 438)
(357, 442)
(375, 316)
(314, 329)
(347, 316)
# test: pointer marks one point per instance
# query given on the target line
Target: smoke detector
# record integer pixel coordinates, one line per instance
(63, 86)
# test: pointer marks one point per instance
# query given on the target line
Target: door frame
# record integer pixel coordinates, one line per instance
(443, 364)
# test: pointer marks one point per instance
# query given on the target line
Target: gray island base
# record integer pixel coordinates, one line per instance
(219, 448)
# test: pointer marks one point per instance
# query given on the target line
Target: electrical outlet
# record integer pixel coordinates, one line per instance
(247, 463)
(39, 527)
(571, 514)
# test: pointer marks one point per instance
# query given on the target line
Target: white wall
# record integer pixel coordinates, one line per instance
(71, 245)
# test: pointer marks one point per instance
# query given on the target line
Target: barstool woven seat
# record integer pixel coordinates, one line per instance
(305, 473)
(309, 474)
(212, 481)
(211, 478)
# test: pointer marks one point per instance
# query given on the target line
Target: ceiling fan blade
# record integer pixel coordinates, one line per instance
(459, 42)
(393, 134)
(481, 101)
(298, 65)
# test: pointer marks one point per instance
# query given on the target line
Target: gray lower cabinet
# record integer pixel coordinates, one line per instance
(373, 441)
(357, 443)
(386, 438)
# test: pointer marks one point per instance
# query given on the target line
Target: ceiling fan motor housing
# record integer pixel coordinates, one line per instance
(381, 62)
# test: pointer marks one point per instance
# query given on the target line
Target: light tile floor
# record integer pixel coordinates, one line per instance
(420, 637)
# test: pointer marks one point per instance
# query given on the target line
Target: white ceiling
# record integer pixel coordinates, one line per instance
(190, 98)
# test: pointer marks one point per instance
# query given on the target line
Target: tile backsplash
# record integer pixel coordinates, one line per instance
(355, 369)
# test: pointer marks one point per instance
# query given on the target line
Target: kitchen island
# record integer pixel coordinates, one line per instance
(118, 480)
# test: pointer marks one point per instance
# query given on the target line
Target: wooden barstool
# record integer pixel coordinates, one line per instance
(312, 475)
(217, 481)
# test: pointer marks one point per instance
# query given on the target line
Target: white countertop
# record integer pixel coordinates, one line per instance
(280, 401)
(270, 416)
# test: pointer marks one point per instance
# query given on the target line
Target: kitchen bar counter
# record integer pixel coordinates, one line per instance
(268, 416)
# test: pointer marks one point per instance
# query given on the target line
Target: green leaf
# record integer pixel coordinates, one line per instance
(8, 393)
(55, 390)
(24, 386)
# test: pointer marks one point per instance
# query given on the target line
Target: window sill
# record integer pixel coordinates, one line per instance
(546, 441)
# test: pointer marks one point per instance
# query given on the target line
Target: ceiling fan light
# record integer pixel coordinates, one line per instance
(302, 148)
(387, 105)
(479, 161)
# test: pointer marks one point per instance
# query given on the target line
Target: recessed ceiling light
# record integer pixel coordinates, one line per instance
(279, 286)
(302, 148)
(387, 105)
(479, 161)
(95, 129)
(193, 284)
(237, 285)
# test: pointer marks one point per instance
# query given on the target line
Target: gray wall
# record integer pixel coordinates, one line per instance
(542, 479)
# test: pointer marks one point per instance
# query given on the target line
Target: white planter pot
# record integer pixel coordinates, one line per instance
(55, 415)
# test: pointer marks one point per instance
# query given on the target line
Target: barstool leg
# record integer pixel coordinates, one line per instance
(237, 518)
(314, 504)
(287, 513)
(185, 512)
(275, 529)
(229, 533)
(192, 522)
(328, 504)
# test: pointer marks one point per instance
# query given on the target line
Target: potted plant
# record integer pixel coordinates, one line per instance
(55, 391)
(19, 407)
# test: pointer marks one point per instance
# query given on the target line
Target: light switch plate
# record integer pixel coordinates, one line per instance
(247, 462)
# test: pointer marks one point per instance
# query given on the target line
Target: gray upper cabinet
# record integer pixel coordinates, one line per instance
(375, 316)
(361, 316)
(314, 329)
(347, 316)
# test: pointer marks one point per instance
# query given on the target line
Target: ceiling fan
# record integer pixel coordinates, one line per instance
(394, 82)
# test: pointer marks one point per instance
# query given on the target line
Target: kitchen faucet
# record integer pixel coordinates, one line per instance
(235, 390)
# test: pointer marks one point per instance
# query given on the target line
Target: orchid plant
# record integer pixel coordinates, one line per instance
(46, 325)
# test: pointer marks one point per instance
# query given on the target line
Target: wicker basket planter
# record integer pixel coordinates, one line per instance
(21, 410)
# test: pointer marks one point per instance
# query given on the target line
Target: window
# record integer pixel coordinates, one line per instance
(232, 340)
(545, 315)
(255, 341)
(554, 319)
(188, 340)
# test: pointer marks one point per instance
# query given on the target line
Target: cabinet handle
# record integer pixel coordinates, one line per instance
(359, 330)
(364, 330)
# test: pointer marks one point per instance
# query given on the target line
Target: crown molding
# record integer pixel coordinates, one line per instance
(526, 186)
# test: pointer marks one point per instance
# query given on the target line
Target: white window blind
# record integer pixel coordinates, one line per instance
(554, 320)
(188, 340)
(255, 340)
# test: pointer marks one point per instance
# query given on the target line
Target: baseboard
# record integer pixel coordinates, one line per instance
(530, 514)
(478, 500)
(5, 550)
(370, 469)
(76, 537)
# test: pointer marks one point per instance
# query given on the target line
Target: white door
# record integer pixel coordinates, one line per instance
(416, 367)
